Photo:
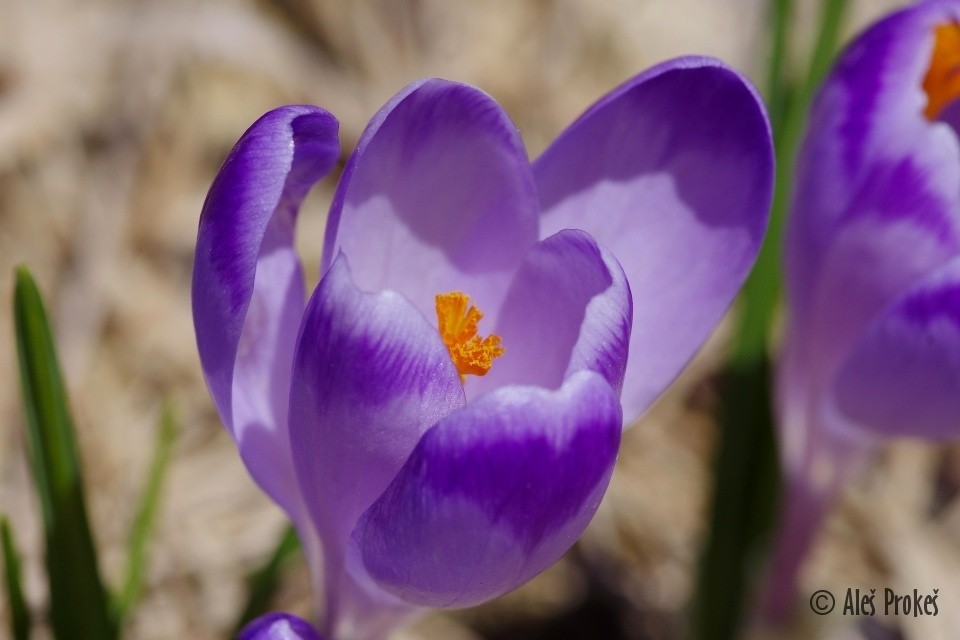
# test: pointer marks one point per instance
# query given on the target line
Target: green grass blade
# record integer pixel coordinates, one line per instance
(744, 503)
(19, 613)
(263, 582)
(761, 293)
(79, 608)
(788, 110)
(832, 17)
(746, 472)
(146, 516)
(778, 83)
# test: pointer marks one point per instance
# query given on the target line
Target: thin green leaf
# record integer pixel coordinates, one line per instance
(832, 17)
(264, 582)
(761, 293)
(143, 523)
(744, 503)
(19, 613)
(78, 602)
(746, 472)
(778, 83)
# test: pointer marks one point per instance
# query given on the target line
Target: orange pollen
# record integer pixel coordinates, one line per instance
(942, 82)
(457, 320)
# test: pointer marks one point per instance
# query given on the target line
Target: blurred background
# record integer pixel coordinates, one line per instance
(114, 117)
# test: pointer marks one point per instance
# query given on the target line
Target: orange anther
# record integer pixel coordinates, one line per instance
(457, 321)
(942, 82)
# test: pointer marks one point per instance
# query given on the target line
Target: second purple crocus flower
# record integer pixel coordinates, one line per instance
(413, 480)
(873, 268)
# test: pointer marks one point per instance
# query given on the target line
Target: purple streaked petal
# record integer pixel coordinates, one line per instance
(568, 309)
(869, 263)
(494, 493)
(876, 205)
(903, 376)
(248, 290)
(673, 173)
(370, 376)
(876, 208)
(279, 626)
(438, 196)
(871, 156)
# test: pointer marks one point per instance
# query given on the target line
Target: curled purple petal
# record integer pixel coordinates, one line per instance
(279, 626)
(248, 290)
(494, 493)
(568, 309)
(903, 376)
(673, 173)
(370, 376)
(438, 196)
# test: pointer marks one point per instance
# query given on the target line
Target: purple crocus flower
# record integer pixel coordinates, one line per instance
(414, 481)
(873, 268)
(279, 626)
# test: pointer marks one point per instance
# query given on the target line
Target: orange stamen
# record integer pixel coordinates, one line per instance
(457, 320)
(942, 82)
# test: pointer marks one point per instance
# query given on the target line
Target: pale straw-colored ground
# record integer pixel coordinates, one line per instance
(113, 119)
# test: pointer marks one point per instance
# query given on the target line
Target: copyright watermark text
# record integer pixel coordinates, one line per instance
(870, 602)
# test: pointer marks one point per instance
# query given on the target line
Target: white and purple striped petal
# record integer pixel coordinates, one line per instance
(567, 309)
(248, 289)
(876, 208)
(494, 493)
(370, 376)
(672, 172)
(903, 376)
(438, 196)
(877, 195)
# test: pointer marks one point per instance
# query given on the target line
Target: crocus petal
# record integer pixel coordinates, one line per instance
(370, 376)
(873, 160)
(438, 196)
(494, 493)
(248, 290)
(903, 377)
(279, 626)
(868, 264)
(673, 173)
(876, 208)
(568, 309)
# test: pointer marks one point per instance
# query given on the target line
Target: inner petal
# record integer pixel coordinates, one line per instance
(942, 82)
(438, 195)
(568, 309)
